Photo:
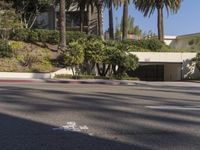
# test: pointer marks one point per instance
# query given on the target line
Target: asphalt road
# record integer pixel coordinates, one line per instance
(146, 116)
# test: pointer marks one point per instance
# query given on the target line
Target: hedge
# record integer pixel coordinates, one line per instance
(44, 35)
(146, 44)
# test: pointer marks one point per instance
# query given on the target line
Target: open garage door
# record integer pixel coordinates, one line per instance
(149, 72)
(158, 72)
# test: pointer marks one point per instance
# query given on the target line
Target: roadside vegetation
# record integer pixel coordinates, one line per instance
(26, 48)
(35, 50)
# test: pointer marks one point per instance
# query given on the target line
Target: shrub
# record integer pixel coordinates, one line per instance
(153, 44)
(21, 35)
(5, 49)
(74, 35)
(33, 36)
(73, 55)
(45, 36)
(143, 45)
(132, 45)
(53, 37)
(197, 60)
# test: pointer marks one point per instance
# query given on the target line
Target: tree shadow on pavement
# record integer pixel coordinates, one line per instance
(116, 113)
(21, 134)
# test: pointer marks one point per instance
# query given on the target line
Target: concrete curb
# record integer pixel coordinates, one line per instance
(103, 82)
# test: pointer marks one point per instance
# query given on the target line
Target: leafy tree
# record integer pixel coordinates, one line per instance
(73, 55)
(121, 60)
(147, 7)
(29, 10)
(94, 53)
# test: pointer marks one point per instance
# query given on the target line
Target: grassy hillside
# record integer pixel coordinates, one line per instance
(27, 57)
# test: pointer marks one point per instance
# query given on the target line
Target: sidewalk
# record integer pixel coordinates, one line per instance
(69, 81)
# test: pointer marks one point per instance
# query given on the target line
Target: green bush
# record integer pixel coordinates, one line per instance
(33, 36)
(53, 37)
(21, 35)
(197, 61)
(153, 45)
(68, 76)
(132, 45)
(45, 36)
(5, 49)
(74, 35)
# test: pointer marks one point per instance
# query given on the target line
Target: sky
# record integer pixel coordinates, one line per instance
(186, 21)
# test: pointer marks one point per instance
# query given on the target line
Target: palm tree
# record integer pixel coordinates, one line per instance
(99, 6)
(62, 24)
(125, 20)
(81, 5)
(148, 7)
(109, 5)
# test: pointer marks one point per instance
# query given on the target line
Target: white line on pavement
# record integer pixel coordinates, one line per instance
(196, 108)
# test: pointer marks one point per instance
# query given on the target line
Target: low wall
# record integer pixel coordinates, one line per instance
(18, 75)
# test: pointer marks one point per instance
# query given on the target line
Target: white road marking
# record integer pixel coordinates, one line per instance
(196, 108)
(72, 126)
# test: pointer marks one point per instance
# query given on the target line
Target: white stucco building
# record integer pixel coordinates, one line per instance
(165, 66)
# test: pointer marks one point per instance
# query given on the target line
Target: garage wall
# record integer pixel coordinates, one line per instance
(172, 72)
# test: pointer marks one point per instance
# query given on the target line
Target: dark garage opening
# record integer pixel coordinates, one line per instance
(149, 72)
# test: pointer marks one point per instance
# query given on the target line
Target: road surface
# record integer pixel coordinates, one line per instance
(144, 116)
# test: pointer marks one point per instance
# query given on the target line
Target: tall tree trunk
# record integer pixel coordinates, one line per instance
(160, 24)
(111, 29)
(125, 21)
(100, 18)
(82, 10)
(62, 25)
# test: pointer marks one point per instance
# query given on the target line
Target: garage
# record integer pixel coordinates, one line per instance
(157, 72)
(149, 72)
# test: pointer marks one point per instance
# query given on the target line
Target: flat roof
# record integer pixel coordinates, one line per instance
(163, 57)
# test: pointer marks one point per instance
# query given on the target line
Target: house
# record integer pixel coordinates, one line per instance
(173, 66)
(187, 42)
(165, 66)
(50, 19)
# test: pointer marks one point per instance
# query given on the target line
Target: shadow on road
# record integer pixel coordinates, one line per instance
(121, 113)
(20, 134)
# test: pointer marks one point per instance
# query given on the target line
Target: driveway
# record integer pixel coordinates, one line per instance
(144, 116)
